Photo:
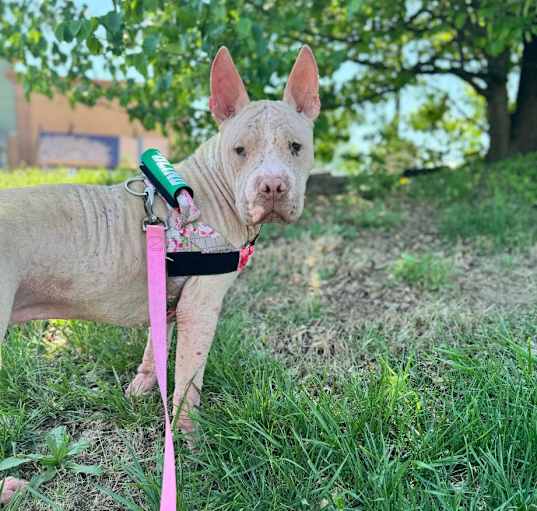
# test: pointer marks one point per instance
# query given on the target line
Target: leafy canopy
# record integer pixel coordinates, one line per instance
(157, 53)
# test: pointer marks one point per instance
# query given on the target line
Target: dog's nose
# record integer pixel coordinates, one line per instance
(272, 188)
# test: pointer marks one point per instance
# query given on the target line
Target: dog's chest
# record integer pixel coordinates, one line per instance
(174, 286)
(186, 233)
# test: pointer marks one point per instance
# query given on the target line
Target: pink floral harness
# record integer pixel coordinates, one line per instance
(185, 234)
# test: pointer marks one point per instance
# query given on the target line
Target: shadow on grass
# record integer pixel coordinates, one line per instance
(493, 205)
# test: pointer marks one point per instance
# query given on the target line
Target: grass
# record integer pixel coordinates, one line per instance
(493, 205)
(347, 216)
(495, 222)
(36, 176)
(328, 387)
(449, 428)
(426, 270)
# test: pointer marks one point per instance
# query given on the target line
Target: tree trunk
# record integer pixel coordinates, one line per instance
(498, 119)
(524, 119)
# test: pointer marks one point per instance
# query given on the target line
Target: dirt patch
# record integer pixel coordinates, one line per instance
(109, 449)
(327, 294)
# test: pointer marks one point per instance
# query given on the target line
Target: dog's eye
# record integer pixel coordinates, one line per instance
(295, 147)
(240, 151)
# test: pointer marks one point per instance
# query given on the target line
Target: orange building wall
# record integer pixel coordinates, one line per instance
(56, 115)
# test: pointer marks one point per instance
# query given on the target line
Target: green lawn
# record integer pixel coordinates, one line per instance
(370, 358)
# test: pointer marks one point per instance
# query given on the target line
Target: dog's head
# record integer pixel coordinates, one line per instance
(266, 146)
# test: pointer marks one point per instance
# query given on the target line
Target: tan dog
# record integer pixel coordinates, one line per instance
(78, 252)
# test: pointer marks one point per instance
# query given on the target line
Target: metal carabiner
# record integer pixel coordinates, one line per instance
(149, 202)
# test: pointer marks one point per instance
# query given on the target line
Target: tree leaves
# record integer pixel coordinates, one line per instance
(244, 27)
(460, 20)
(85, 30)
(112, 21)
(390, 43)
(94, 46)
(73, 27)
(59, 31)
(67, 31)
(150, 44)
(354, 6)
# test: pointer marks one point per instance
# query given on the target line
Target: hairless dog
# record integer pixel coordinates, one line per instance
(77, 252)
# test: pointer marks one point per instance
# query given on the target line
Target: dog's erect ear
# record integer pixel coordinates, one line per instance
(228, 94)
(302, 89)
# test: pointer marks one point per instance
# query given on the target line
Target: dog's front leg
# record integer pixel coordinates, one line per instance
(197, 315)
(146, 377)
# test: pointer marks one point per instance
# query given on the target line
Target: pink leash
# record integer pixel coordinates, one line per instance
(156, 284)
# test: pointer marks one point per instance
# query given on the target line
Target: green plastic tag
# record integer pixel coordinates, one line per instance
(163, 176)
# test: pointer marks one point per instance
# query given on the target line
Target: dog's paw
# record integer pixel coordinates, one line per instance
(190, 432)
(142, 384)
(10, 487)
(189, 428)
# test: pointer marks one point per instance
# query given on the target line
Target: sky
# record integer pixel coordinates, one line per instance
(96, 7)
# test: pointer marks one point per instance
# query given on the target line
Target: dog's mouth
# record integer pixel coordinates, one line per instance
(272, 217)
(260, 215)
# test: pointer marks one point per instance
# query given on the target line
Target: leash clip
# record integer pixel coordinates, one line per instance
(151, 218)
(149, 201)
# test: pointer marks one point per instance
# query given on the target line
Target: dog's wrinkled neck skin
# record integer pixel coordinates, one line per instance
(214, 194)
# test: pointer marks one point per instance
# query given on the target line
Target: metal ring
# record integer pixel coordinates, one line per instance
(157, 220)
(132, 180)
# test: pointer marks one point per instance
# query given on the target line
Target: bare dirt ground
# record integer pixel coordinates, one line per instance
(332, 292)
